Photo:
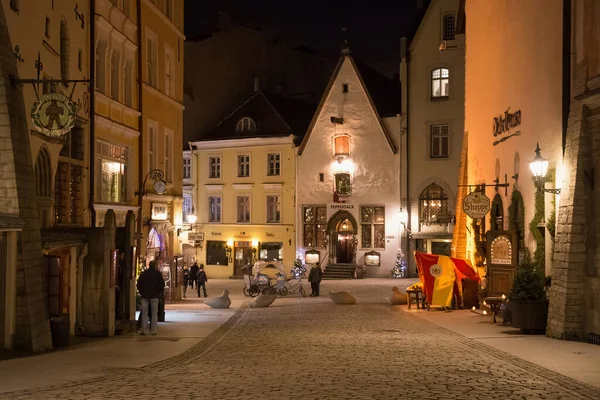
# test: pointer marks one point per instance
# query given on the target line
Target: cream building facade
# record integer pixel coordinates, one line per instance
(161, 90)
(432, 72)
(510, 107)
(243, 188)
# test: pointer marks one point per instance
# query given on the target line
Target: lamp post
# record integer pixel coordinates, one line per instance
(539, 169)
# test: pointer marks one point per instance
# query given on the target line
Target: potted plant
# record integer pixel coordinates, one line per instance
(528, 297)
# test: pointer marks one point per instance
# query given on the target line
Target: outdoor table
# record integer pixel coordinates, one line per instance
(494, 303)
(417, 295)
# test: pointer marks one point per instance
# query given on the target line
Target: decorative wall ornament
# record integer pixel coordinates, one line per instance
(53, 114)
(17, 53)
(79, 16)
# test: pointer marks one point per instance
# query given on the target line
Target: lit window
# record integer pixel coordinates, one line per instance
(243, 209)
(343, 185)
(186, 206)
(372, 227)
(315, 226)
(273, 209)
(449, 25)
(271, 251)
(214, 165)
(246, 124)
(244, 166)
(216, 253)
(440, 82)
(112, 180)
(433, 205)
(187, 168)
(214, 209)
(439, 141)
(274, 161)
(342, 145)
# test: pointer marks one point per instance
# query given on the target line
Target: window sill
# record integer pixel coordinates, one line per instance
(274, 222)
(439, 157)
(439, 98)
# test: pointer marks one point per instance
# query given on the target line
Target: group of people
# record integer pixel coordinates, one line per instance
(195, 275)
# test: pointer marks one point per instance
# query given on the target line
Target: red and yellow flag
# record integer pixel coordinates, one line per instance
(438, 274)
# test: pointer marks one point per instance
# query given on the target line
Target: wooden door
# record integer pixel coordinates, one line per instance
(502, 257)
(243, 256)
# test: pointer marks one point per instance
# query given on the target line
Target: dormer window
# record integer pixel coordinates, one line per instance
(246, 124)
(341, 146)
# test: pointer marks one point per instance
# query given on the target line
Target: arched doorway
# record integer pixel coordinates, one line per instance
(341, 230)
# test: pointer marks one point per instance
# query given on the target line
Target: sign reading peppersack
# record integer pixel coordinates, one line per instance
(476, 205)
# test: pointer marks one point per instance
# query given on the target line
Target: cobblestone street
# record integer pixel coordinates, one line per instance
(310, 348)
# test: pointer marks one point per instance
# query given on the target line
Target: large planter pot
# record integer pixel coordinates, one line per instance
(530, 317)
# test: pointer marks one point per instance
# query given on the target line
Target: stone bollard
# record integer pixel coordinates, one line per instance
(262, 300)
(342, 298)
(397, 297)
(223, 301)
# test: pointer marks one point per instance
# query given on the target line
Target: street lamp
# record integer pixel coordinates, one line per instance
(539, 168)
(191, 217)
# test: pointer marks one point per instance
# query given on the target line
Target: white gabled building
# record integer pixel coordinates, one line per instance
(347, 191)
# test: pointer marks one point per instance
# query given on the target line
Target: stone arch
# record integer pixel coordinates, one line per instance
(438, 181)
(43, 173)
(32, 328)
(340, 216)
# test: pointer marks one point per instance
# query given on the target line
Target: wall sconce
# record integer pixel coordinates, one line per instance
(229, 249)
(539, 168)
(191, 217)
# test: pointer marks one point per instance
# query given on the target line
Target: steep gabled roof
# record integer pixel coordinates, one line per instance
(275, 116)
(384, 99)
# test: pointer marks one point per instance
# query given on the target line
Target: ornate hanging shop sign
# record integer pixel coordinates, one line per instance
(476, 205)
(53, 114)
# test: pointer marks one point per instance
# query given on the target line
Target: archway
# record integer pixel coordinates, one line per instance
(341, 230)
(497, 214)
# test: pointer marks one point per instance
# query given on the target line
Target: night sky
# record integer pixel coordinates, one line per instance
(374, 27)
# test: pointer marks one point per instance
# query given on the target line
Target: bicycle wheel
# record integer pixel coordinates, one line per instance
(254, 291)
(246, 292)
(302, 292)
(268, 290)
(283, 292)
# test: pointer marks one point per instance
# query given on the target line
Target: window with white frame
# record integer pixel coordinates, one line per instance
(112, 161)
(152, 141)
(214, 208)
(187, 168)
(168, 156)
(440, 80)
(449, 27)
(273, 209)
(243, 166)
(274, 164)
(243, 209)
(101, 47)
(151, 58)
(169, 78)
(214, 166)
(186, 206)
(128, 83)
(115, 67)
(439, 141)
(246, 124)
(433, 206)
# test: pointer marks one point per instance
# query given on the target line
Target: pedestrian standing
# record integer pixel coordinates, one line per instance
(201, 280)
(314, 277)
(193, 274)
(150, 284)
(186, 277)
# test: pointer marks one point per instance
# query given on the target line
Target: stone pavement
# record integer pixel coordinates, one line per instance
(310, 348)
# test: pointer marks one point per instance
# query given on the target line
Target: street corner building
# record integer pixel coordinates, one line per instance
(535, 164)
(347, 191)
(240, 182)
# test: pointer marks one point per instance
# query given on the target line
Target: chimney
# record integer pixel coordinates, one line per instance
(256, 84)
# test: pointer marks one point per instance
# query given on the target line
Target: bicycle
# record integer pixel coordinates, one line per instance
(295, 287)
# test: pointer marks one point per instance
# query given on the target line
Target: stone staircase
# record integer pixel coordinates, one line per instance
(339, 271)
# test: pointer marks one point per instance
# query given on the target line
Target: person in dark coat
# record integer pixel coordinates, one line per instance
(314, 277)
(186, 278)
(201, 280)
(194, 274)
(150, 284)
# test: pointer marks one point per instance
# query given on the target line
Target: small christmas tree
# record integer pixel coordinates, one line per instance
(299, 269)
(400, 267)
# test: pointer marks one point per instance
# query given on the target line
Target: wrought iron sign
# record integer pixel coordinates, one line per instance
(504, 123)
(79, 16)
(17, 54)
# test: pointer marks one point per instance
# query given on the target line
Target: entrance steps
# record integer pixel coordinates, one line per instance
(339, 271)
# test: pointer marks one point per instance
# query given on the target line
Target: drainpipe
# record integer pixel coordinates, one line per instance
(566, 71)
(140, 125)
(91, 92)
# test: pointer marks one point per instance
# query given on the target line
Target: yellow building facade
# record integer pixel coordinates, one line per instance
(162, 38)
(243, 198)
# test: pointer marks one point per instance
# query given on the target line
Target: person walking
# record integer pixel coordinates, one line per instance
(314, 277)
(150, 284)
(194, 274)
(186, 278)
(201, 280)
